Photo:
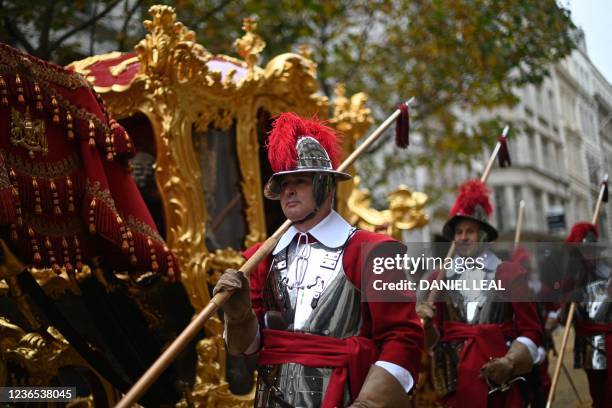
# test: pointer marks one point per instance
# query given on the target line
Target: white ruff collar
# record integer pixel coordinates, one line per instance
(332, 231)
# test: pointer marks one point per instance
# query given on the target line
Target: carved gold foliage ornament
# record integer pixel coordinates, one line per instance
(250, 45)
(41, 356)
(352, 118)
(405, 212)
(28, 133)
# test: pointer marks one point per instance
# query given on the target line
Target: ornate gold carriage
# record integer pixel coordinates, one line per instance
(203, 120)
(199, 123)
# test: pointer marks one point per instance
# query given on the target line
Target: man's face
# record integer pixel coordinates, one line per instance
(296, 196)
(467, 237)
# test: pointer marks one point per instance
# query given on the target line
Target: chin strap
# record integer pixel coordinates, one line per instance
(306, 218)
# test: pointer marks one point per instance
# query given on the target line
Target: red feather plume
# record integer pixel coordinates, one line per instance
(472, 193)
(580, 230)
(287, 129)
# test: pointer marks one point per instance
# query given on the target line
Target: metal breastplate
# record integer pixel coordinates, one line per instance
(475, 308)
(590, 351)
(336, 313)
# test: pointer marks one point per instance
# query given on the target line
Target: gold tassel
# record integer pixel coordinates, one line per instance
(109, 147)
(56, 207)
(77, 254)
(92, 221)
(20, 97)
(125, 246)
(67, 264)
(92, 134)
(154, 265)
(38, 96)
(70, 194)
(15, 193)
(56, 111)
(170, 262)
(69, 126)
(3, 92)
(133, 258)
(35, 249)
(54, 266)
(37, 202)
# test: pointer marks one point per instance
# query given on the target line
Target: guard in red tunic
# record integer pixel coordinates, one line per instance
(321, 343)
(479, 343)
(593, 320)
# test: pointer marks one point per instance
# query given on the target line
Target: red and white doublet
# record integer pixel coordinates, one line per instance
(328, 337)
(476, 327)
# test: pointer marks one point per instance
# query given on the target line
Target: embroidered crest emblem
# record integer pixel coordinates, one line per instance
(28, 133)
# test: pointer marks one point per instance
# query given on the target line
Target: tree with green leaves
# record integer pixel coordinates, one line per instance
(453, 55)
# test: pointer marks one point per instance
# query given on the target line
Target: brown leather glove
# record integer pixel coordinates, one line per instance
(238, 306)
(517, 361)
(426, 311)
(240, 322)
(381, 390)
(551, 324)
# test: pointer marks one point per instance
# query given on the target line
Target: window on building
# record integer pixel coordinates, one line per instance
(553, 159)
(529, 150)
(593, 168)
(551, 104)
(538, 208)
(518, 194)
(545, 155)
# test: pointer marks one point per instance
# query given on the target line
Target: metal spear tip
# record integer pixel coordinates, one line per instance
(410, 101)
(505, 131)
(605, 178)
(522, 204)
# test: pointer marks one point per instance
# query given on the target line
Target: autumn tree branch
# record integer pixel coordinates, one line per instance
(83, 25)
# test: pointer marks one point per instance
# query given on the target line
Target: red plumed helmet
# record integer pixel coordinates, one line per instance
(299, 145)
(473, 202)
(582, 230)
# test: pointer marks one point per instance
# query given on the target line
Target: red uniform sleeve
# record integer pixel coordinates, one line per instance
(526, 318)
(527, 321)
(257, 280)
(394, 326)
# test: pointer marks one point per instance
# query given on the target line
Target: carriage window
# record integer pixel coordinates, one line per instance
(216, 153)
(140, 130)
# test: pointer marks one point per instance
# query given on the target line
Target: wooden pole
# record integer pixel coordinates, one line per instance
(519, 223)
(220, 298)
(571, 312)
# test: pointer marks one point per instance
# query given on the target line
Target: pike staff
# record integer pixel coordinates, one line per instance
(147, 379)
(519, 223)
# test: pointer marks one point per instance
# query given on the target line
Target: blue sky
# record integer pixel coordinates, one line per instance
(595, 18)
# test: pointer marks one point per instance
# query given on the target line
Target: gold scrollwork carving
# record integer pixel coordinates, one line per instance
(405, 211)
(352, 118)
(250, 45)
(40, 356)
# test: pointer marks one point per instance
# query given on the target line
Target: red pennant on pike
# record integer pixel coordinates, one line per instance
(503, 155)
(402, 126)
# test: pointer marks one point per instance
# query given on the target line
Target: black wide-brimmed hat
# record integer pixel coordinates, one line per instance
(473, 204)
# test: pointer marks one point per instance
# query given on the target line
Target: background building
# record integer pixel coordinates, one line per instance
(561, 146)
